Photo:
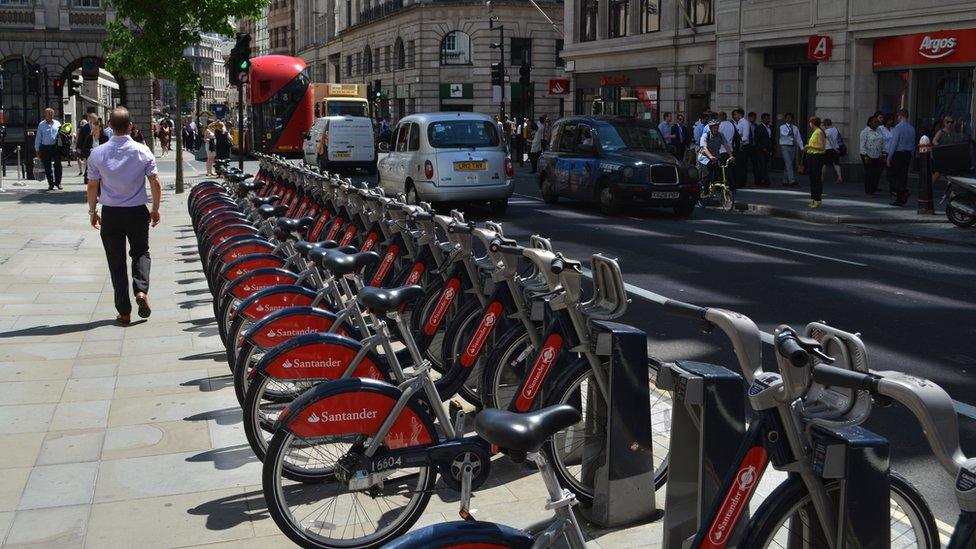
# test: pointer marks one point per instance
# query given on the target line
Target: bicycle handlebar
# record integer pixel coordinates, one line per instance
(674, 307)
(842, 377)
(789, 348)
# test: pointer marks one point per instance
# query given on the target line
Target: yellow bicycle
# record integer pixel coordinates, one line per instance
(718, 190)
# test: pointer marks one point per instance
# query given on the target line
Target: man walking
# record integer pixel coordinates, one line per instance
(789, 142)
(48, 152)
(743, 148)
(901, 147)
(763, 134)
(665, 128)
(117, 173)
(679, 137)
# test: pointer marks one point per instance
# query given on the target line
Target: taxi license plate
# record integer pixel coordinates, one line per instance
(343, 154)
(469, 166)
(665, 194)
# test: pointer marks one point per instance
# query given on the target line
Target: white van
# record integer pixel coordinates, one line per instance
(347, 142)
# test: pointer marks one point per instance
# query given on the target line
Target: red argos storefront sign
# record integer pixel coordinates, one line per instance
(927, 48)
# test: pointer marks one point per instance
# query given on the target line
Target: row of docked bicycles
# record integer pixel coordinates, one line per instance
(353, 321)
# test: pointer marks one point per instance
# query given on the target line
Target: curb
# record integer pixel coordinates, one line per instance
(822, 217)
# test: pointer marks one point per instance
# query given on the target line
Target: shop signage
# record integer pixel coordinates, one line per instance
(615, 80)
(819, 47)
(457, 91)
(558, 86)
(926, 48)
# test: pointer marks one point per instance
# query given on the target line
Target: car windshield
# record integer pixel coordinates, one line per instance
(450, 134)
(347, 108)
(617, 136)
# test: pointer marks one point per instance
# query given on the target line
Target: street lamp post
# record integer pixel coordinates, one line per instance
(500, 45)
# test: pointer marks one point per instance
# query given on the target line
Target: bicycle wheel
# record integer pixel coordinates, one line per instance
(458, 378)
(787, 518)
(505, 367)
(565, 449)
(728, 198)
(464, 534)
(266, 398)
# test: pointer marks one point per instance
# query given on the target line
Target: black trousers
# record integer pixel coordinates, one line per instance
(118, 225)
(743, 157)
(760, 168)
(51, 154)
(814, 167)
(898, 173)
(872, 174)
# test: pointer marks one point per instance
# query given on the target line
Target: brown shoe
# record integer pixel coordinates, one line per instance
(123, 319)
(143, 302)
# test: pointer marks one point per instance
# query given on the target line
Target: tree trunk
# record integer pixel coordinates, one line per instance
(179, 142)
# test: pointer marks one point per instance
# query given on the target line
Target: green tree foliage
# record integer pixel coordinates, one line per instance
(148, 37)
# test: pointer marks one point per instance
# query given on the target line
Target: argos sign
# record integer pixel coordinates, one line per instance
(927, 48)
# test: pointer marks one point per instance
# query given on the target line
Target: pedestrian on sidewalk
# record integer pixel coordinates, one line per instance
(537, 138)
(209, 139)
(814, 153)
(871, 145)
(48, 151)
(832, 154)
(742, 143)
(901, 148)
(764, 135)
(117, 173)
(83, 143)
(945, 135)
(222, 140)
(790, 142)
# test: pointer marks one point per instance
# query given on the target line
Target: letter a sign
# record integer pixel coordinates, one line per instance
(819, 48)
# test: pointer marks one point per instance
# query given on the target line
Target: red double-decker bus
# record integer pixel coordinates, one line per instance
(279, 104)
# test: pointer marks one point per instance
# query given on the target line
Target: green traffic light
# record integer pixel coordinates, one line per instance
(245, 64)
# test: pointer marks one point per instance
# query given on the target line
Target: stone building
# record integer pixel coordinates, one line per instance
(59, 37)
(433, 55)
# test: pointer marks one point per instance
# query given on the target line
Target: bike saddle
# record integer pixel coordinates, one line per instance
(251, 185)
(267, 211)
(381, 300)
(304, 247)
(340, 263)
(262, 200)
(294, 224)
(523, 432)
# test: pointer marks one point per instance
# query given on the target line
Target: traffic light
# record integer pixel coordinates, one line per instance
(58, 87)
(497, 75)
(525, 75)
(74, 85)
(33, 78)
(377, 89)
(239, 61)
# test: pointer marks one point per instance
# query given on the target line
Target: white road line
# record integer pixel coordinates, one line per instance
(782, 249)
(962, 408)
(527, 196)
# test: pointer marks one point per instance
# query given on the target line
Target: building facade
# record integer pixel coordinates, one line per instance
(60, 38)
(838, 59)
(434, 55)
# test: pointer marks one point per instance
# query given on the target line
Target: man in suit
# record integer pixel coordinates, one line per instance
(679, 138)
(764, 149)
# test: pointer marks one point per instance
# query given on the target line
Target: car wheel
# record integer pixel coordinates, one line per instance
(498, 207)
(411, 196)
(685, 209)
(609, 201)
(548, 196)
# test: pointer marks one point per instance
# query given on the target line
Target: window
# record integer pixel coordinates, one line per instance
(401, 137)
(521, 51)
(411, 54)
(456, 49)
(386, 58)
(560, 62)
(377, 60)
(401, 54)
(359, 63)
(565, 141)
(588, 12)
(617, 20)
(650, 16)
(348, 65)
(413, 142)
(348, 13)
(13, 2)
(702, 11)
(74, 3)
(452, 134)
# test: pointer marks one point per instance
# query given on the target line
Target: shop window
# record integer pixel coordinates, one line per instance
(588, 16)
(702, 12)
(560, 62)
(650, 16)
(618, 18)
(521, 49)
(892, 91)
(456, 49)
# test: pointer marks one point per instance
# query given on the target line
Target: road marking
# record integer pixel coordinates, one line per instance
(782, 249)
(962, 408)
(527, 196)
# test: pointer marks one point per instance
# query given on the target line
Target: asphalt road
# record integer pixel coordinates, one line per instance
(913, 303)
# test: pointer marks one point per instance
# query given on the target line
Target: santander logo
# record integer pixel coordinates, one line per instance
(326, 417)
(299, 363)
(937, 48)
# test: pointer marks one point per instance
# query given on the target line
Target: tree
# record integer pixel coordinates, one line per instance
(149, 38)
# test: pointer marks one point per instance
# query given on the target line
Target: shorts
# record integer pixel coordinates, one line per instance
(831, 157)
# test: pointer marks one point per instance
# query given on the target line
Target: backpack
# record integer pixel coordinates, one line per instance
(64, 143)
(841, 146)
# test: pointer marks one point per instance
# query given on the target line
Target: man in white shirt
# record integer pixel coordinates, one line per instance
(743, 152)
(665, 127)
(790, 143)
(726, 127)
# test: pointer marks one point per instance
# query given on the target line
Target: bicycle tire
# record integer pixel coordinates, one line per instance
(464, 533)
(501, 364)
(728, 198)
(255, 426)
(456, 337)
(791, 496)
(565, 390)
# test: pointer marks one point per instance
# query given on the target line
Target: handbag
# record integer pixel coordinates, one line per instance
(801, 168)
(38, 170)
(841, 146)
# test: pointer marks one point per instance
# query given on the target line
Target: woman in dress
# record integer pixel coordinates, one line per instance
(222, 139)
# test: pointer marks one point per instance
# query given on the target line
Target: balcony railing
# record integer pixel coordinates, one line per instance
(17, 16)
(86, 18)
(386, 8)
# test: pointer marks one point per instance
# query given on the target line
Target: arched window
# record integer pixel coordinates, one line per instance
(13, 99)
(456, 49)
(367, 60)
(400, 53)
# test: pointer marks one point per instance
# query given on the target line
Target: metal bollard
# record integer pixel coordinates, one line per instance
(20, 165)
(925, 206)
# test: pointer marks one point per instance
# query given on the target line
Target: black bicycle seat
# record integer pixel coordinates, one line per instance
(267, 211)
(316, 254)
(251, 185)
(294, 224)
(304, 247)
(381, 300)
(524, 432)
(262, 200)
(339, 263)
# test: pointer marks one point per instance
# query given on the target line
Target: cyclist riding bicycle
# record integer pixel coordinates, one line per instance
(710, 151)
